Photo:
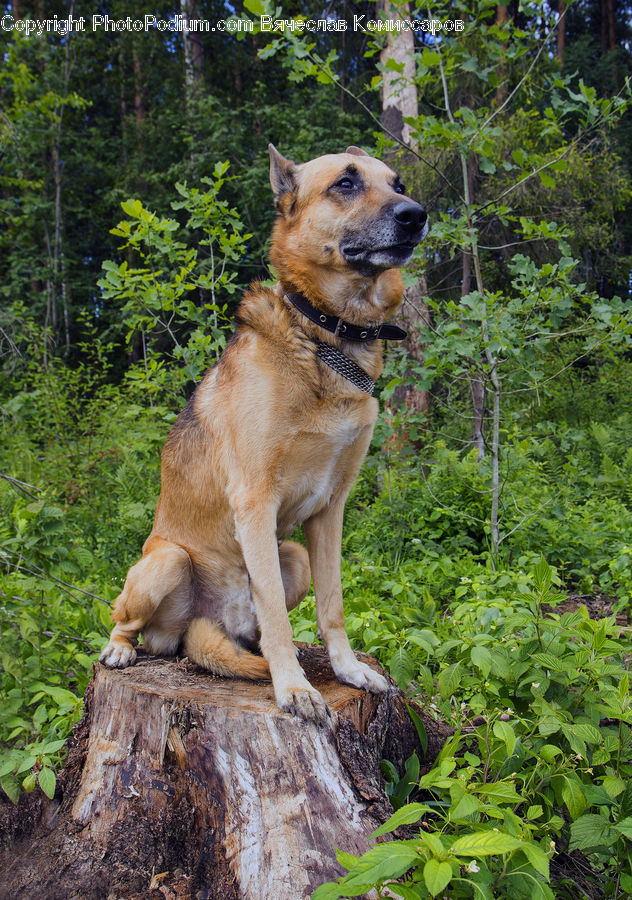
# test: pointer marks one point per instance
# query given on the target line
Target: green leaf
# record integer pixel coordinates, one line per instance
(548, 752)
(389, 771)
(47, 782)
(29, 782)
(542, 575)
(49, 746)
(346, 860)
(27, 763)
(482, 659)
(133, 208)
(381, 862)
(573, 797)
(626, 883)
(506, 734)
(406, 785)
(547, 180)
(613, 786)
(420, 728)
(548, 661)
(391, 65)
(449, 680)
(484, 843)
(498, 792)
(256, 7)
(402, 667)
(402, 890)
(591, 831)
(60, 694)
(586, 732)
(11, 788)
(537, 857)
(329, 891)
(625, 827)
(433, 842)
(466, 806)
(407, 815)
(430, 58)
(437, 875)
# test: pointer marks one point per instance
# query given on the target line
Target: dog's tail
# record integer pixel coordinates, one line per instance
(207, 644)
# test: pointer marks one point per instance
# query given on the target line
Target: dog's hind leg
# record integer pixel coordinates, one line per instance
(295, 572)
(208, 644)
(164, 570)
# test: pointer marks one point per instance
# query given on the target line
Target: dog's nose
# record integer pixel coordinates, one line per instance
(410, 216)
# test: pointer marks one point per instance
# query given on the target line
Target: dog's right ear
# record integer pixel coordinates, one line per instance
(356, 151)
(282, 174)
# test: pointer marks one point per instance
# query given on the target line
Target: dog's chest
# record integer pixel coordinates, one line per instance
(314, 468)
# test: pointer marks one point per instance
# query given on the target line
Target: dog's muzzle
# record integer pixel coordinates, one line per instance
(389, 241)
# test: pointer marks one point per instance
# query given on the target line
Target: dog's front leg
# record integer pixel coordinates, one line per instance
(324, 537)
(256, 532)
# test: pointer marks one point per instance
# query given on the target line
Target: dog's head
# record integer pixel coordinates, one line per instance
(344, 226)
(343, 220)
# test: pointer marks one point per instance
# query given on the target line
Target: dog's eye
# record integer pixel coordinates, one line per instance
(345, 184)
(399, 188)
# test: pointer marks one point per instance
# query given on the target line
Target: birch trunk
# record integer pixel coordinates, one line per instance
(400, 101)
(399, 90)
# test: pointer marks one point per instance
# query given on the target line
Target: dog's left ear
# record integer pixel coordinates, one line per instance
(282, 174)
(357, 151)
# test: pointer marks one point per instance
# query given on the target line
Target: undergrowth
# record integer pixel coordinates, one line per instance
(540, 763)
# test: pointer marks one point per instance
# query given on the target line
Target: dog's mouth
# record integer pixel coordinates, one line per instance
(379, 257)
(403, 247)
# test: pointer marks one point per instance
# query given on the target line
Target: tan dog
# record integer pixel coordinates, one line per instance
(274, 436)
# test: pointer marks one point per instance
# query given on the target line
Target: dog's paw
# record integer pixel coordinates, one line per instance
(359, 675)
(306, 703)
(118, 655)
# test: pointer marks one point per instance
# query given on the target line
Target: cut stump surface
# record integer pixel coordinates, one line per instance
(183, 785)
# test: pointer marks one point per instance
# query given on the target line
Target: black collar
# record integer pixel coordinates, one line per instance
(345, 330)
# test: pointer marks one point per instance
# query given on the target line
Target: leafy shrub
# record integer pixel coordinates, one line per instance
(550, 763)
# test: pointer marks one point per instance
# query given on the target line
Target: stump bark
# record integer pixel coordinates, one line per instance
(182, 785)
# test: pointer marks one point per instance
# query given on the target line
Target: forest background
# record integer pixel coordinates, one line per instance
(488, 541)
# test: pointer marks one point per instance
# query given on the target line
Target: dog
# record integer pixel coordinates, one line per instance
(273, 437)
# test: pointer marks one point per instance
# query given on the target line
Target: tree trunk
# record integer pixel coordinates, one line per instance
(414, 313)
(140, 109)
(400, 101)
(193, 55)
(561, 31)
(122, 101)
(399, 89)
(612, 37)
(501, 90)
(183, 785)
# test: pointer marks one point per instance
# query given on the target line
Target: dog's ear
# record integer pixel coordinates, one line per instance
(282, 174)
(357, 151)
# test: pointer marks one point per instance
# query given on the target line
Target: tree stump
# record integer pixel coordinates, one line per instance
(183, 785)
